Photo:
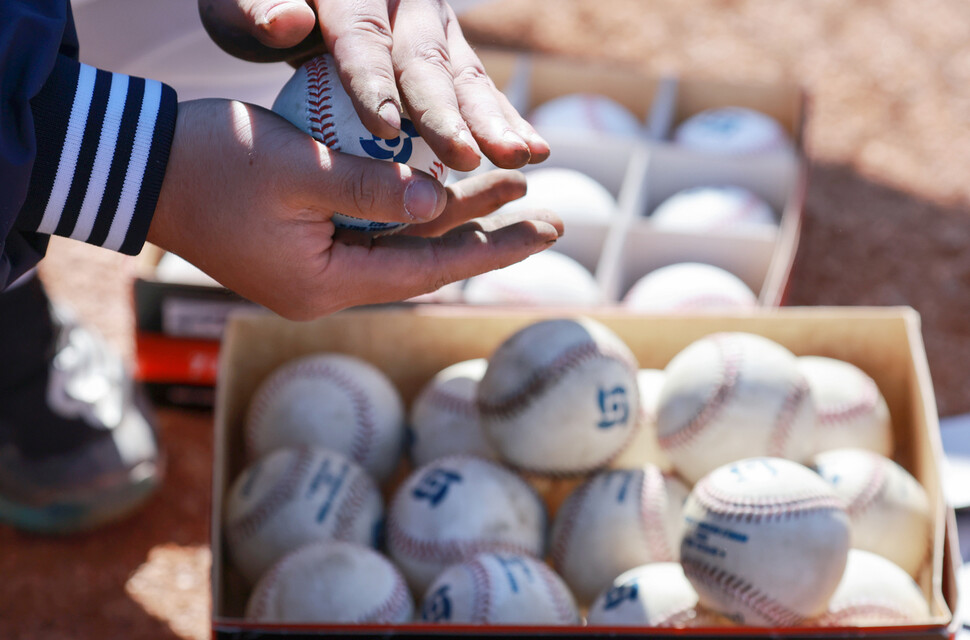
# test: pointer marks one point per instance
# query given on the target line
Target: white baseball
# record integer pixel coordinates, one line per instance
(713, 209)
(291, 497)
(499, 589)
(174, 268)
(765, 542)
(889, 509)
(573, 195)
(332, 582)
(444, 416)
(330, 400)
(689, 286)
(314, 100)
(584, 113)
(615, 521)
(730, 396)
(544, 278)
(644, 448)
(560, 396)
(850, 411)
(731, 130)
(653, 595)
(457, 507)
(875, 592)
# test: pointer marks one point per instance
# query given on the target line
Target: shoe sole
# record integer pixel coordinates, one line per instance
(60, 518)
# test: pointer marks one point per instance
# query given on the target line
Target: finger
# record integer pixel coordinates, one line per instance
(490, 223)
(359, 36)
(257, 29)
(424, 74)
(503, 136)
(474, 197)
(320, 179)
(422, 265)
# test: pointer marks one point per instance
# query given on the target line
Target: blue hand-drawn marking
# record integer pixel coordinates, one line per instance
(434, 485)
(614, 407)
(397, 149)
(625, 476)
(508, 564)
(438, 606)
(325, 477)
(619, 593)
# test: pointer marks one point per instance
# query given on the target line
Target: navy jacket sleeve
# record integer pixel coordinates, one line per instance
(82, 151)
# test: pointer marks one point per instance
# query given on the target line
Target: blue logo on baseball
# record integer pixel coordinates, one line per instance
(397, 149)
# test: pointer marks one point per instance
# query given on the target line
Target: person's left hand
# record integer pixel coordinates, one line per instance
(389, 54)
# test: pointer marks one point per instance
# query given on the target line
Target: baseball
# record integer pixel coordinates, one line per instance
(457, 507)
(543, 279)
(889, 509)
(333, 582)
(174, 268)
(291, 497)
(560, 397)
(330, 400)
(614, 522)
(585, 113)
(731, 130)
(689, 286)
(875, 592)
(765, 542)
(444, 416)
(713, 209)
(850, 411)
(314, 100)
(730, 396)
(573, 195)
(644, 447)
(653, 595)
(497, 589)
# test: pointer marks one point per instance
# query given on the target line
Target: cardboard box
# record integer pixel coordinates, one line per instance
(642, 171)
(412, 343)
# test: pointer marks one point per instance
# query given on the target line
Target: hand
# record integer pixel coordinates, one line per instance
(248, 198)
(380, 45)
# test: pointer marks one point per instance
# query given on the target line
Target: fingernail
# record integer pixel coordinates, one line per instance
(420, 199)
(514, 138)
(272, 14)
(466, 136)
(390, 114)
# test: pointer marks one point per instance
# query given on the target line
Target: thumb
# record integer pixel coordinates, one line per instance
(280, 24)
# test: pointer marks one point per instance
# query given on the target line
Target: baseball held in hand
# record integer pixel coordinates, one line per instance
(315, 101)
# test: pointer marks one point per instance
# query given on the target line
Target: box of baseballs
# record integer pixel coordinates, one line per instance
(678, 194)
(440, 471)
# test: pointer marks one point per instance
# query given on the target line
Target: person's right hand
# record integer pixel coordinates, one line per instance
(248, 198)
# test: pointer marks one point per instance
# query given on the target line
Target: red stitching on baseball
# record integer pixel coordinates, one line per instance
(885, 612)
(541, 380)
(653, 502)
(730, 371)
(481, 591)
(676, 618)
(782, 429)
(394, 607)
(553, 584)
(569, 513)
(364, 434)
(830, 416)
(762, 508)
(875, 483)
(350, 506)
(278, 496)
(742, 591)
(449, 551)
(452, 402)
(318, 102)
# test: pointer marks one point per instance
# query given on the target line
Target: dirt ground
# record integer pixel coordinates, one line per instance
(887, 223)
